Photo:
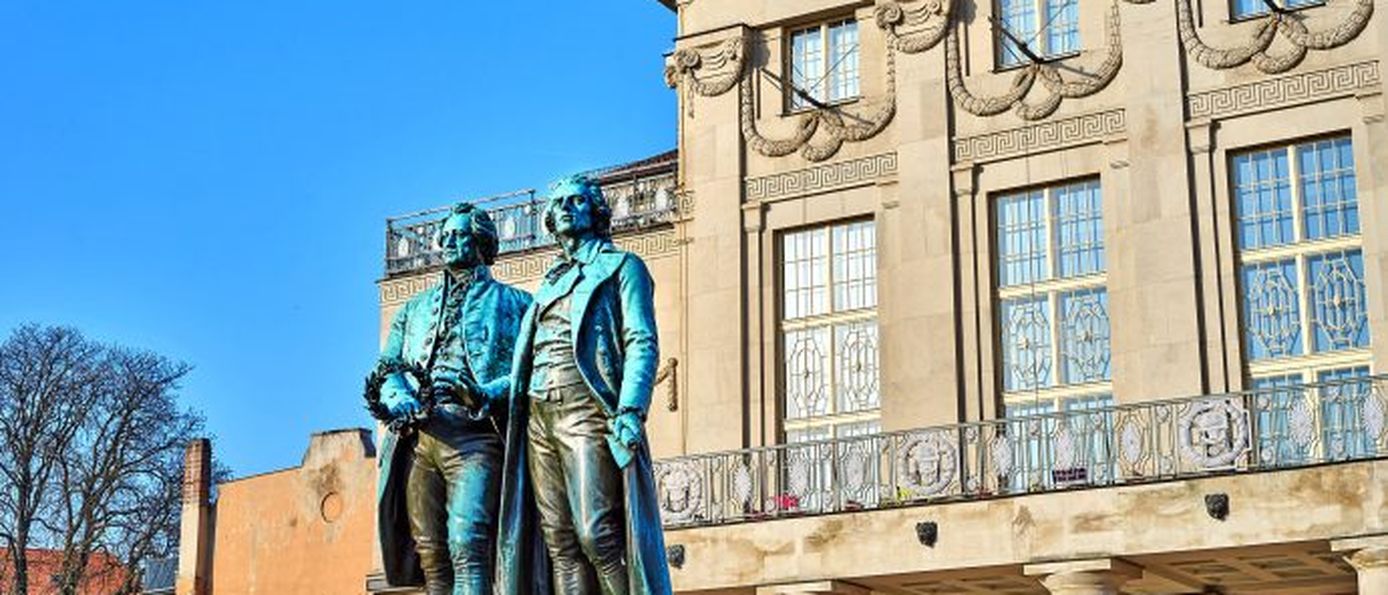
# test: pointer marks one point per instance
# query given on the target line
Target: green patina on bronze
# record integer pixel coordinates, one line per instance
(578, 468)
(441, 386)
(563, 383)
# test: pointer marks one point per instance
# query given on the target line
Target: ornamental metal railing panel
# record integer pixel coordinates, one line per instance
(412, 239)
(1261, 430)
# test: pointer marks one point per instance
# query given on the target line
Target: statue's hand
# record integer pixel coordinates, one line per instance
(628, 427)
(405, 407)
(470, 394)
(462, 390)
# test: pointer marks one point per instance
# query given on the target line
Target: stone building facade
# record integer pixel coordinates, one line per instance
(1051, 295)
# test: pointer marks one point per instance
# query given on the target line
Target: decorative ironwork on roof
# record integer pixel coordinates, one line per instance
(641, 193)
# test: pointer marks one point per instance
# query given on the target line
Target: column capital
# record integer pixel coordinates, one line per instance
(1364, 552)
(1096, 576)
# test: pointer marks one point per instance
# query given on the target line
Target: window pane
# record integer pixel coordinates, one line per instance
(1271, 312)
(1080, 229)
(1343, 433)
(1248, 8)
(1019, 17)
(1026, 343)
(855, 266)
(1062, 22)
(1084, 336)
(843, 56)
(807, 64)
(856, 366)
(1328, 189)
(1277, 404)
(1339, 310)
(805, 279)
(807, 435)
(1263, 197)
(807, 373)
(1032, 450)
(862, 428)
(1021, 221)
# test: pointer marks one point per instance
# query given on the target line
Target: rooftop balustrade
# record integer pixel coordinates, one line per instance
(1249, 432)
(640, 197)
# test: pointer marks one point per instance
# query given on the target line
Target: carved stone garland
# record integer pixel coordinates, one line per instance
(1050, 76)
(836, 125)
(1256, 49)
(914, 27)
(831, 121)
(686, 64)
(911, 27)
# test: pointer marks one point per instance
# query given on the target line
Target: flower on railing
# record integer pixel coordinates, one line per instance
(787, 502)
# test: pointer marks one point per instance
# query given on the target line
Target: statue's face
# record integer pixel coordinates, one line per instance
(459, 247)
(572, 215)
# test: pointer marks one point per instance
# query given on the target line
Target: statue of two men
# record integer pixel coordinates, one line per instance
(526, 470)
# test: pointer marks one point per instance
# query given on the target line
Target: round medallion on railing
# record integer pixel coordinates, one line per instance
(681, 490)
(928, 463)
(1213, 432)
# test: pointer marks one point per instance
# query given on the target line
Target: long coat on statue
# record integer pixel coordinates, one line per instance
(615, 348)
(491, 319)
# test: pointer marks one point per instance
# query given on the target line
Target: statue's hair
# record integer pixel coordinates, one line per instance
(582, 185)
(481, 227)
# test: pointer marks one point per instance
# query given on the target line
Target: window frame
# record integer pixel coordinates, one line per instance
(1300, 250)
(834, 422)
(1053, 289)
(824, 27)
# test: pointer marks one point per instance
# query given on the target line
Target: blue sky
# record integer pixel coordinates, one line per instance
(210, 180)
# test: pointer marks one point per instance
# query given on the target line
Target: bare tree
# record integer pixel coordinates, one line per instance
(106, 476)
(47, 376)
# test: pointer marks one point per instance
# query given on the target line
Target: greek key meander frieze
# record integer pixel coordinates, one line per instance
(1064, 132)
(820, 178)
(398, 291)
(1271, 93)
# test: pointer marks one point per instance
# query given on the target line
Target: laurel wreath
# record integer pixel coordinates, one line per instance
(384, 369)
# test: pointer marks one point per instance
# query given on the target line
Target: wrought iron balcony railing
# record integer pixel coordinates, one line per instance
(1260, 430)
(412, 244)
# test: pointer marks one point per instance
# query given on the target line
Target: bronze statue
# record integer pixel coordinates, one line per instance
(442, 380)
(578, 470)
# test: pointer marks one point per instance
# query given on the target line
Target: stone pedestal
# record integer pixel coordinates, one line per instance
(1099, 576)
(1369, 557)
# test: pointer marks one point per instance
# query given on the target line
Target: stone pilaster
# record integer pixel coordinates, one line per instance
(1098, 576)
